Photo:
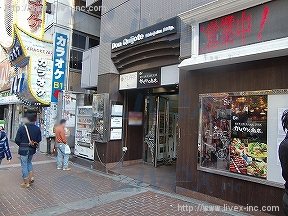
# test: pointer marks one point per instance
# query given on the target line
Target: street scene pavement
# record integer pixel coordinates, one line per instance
(83, 191)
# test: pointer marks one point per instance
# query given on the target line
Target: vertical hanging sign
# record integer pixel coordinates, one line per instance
(59, 65)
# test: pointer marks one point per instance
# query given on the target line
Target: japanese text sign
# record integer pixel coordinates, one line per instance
(59, 65)
(257, 24)
(149, 79)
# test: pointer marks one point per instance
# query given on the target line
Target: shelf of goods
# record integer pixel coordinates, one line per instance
(83, 145)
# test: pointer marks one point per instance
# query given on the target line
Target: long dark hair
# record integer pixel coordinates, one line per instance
(285, 120)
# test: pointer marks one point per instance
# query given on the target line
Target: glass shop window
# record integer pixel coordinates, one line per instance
(233, 134)
(240, 133)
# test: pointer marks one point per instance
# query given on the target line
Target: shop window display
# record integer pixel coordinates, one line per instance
(233, 133)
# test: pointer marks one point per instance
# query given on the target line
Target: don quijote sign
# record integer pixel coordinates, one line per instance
(145, 35)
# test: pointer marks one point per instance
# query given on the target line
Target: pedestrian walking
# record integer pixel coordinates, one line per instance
(62, 146)
(28, 138)
(4, 146)
(283, 156)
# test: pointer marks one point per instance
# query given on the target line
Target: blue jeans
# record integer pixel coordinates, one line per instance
(26, 165)
(61, 155)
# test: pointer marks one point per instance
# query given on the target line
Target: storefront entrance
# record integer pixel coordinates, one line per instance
(160, 129)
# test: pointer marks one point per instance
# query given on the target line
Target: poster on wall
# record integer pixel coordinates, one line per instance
(234, 134)
(135, 118)
(69, 109)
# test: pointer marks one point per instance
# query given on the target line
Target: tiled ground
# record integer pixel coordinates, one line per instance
(52, 187)
(148, 203)
(163, 177)
(83, 192)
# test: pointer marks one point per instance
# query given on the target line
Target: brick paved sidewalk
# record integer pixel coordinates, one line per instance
(85, 192)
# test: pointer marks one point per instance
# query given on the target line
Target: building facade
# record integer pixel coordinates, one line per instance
(217, 118)
(235, 84)
(41, 56)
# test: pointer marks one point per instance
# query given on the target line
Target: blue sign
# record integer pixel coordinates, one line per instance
(16, 54)
(17, 85)
(59, 65)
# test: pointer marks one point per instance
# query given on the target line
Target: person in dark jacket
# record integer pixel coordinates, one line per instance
(26, 151)
(283, 156)
(4, 146)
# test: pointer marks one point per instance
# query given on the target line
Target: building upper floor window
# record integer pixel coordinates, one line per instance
(83, 42)
(93, 42)
(78, 40)
(80, 43)
(76, 59)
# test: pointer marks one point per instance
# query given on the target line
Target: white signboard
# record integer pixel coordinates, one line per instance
(116, 134)
(280, 127)
(116, 122)
(128, 81)
(40, 67)
(11, 99)
(117, 110)
(30, 16)
(275, 104)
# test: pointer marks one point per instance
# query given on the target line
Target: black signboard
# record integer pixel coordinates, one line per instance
(257, 24)
(150, 33)
(149, 79)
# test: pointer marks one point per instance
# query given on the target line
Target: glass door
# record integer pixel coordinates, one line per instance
(162, 130)
(150, 129)
(156, 130)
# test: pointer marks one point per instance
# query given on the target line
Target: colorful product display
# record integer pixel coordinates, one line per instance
(83, 144)
(234, 134)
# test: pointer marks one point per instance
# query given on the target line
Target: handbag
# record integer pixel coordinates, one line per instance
(67, 149)
(32, 143)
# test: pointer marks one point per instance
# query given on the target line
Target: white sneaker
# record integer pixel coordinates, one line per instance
(58, 168)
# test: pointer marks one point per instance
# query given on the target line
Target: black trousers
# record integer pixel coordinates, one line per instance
(285, 204)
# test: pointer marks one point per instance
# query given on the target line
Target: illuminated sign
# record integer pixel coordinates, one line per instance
(257, 24)
(59, 65)
(35, 8)
(16, 53)
(40, 66)
(30, 16)
(17, 84)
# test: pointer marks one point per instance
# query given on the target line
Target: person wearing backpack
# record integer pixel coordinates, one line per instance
(4, 146)
(28, 138)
